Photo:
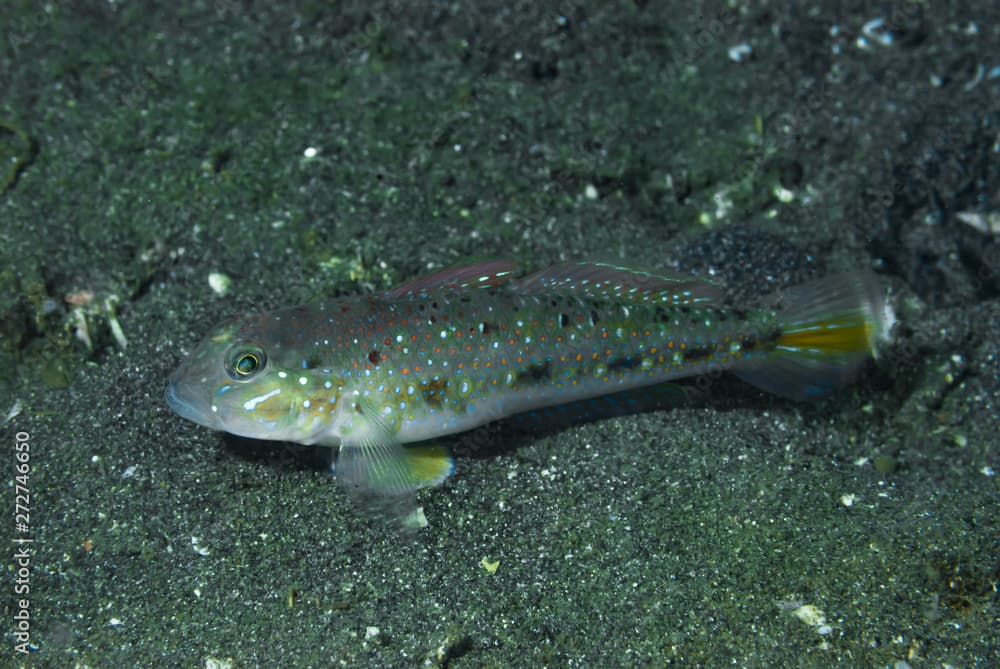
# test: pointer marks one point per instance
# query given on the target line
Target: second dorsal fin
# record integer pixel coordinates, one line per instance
(608, 282)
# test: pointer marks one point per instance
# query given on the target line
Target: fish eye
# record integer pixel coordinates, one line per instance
(247, 364)
(244, 361)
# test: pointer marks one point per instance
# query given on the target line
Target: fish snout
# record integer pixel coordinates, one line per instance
(186, 402)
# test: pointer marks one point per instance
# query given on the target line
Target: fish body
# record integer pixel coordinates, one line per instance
(473, 344)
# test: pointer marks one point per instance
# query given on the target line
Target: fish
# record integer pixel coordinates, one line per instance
(383, 377)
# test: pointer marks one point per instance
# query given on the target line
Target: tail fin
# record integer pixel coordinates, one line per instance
(827, 330)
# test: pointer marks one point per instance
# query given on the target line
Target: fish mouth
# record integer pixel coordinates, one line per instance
(184, 407)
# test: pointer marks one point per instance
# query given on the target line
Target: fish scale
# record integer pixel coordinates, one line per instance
(468, 345)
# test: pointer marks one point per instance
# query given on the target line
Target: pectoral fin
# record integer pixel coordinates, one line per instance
(377, 464)
(391, 469)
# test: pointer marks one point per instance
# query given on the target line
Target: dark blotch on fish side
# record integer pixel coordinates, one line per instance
(696, 353)
(432, 392)
(623, 364)
(539, 372)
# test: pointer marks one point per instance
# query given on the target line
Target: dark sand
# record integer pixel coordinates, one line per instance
(145, 149)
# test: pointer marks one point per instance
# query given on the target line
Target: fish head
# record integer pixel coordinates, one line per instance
(249, 381)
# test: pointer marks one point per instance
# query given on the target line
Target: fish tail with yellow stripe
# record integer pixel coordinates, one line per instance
(827, 330)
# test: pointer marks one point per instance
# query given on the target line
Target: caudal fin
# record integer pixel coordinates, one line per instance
(827, 330)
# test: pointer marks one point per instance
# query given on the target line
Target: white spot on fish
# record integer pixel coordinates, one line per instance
(252, 403)
(303, 380)
(306, 404)
(282, 375)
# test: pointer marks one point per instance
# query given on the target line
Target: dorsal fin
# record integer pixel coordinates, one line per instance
(608, 282)
(483, 274)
